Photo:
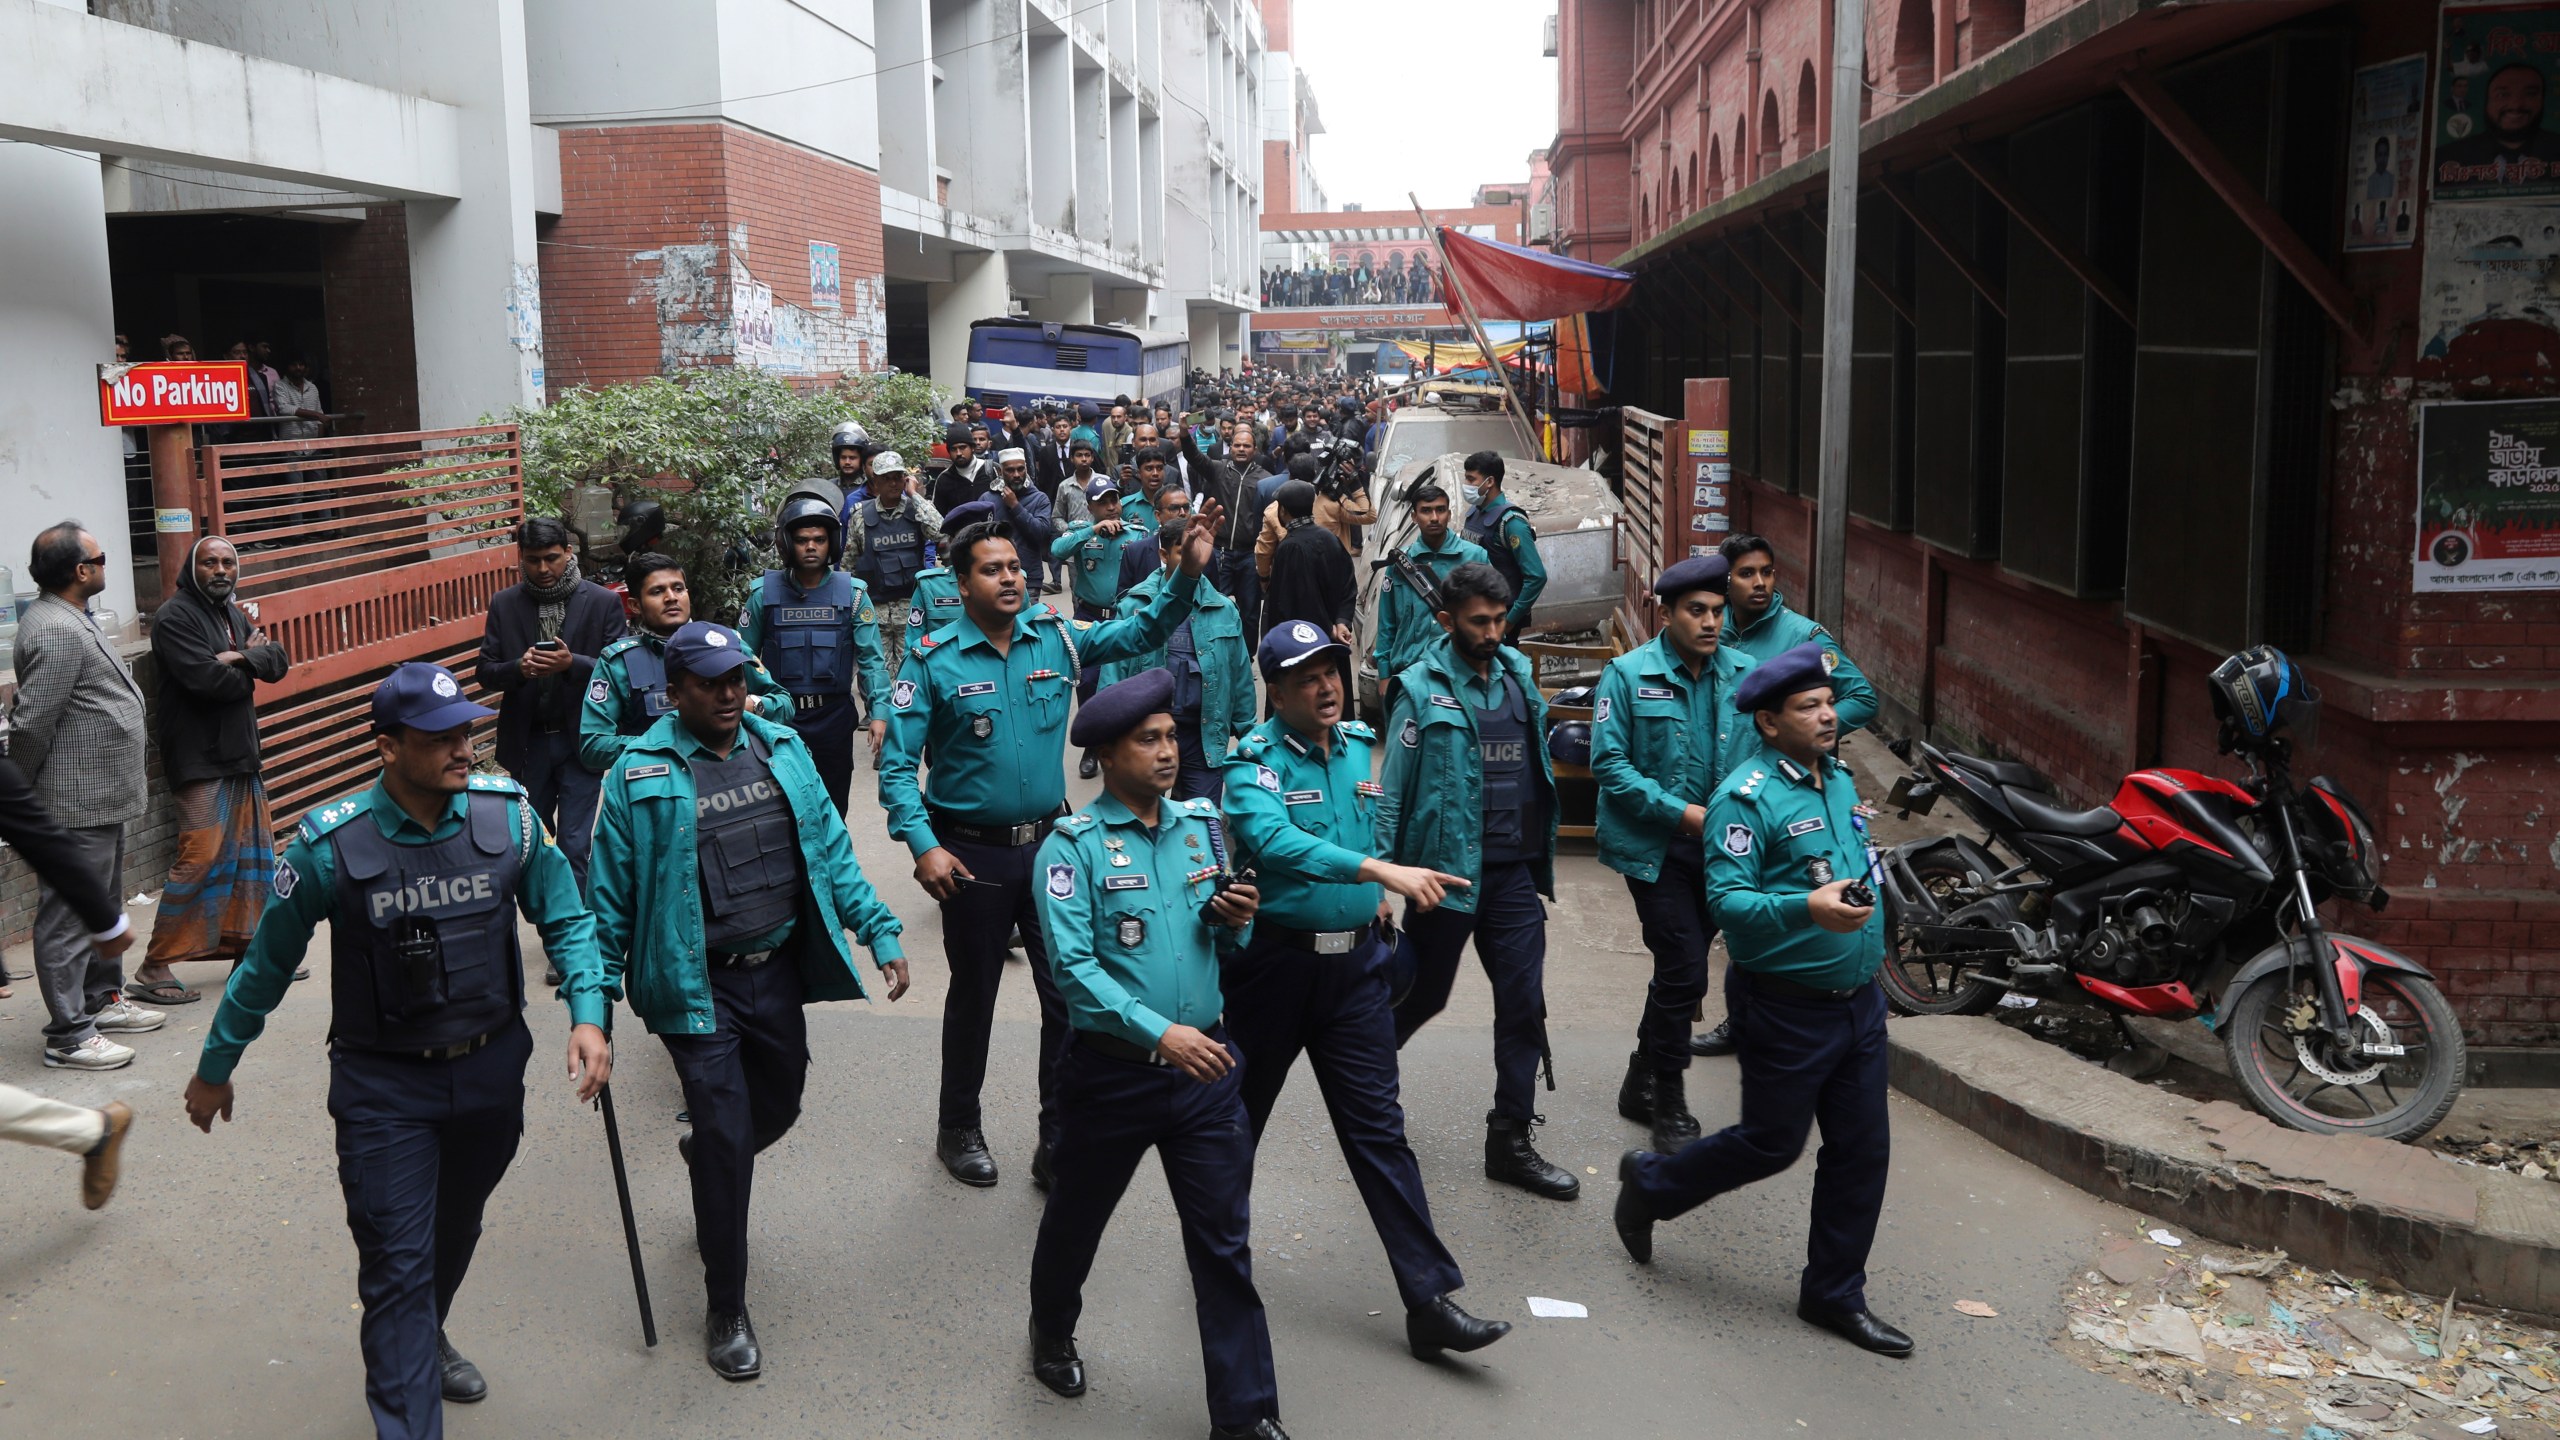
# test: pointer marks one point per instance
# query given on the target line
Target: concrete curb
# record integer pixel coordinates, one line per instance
(2365, 1207)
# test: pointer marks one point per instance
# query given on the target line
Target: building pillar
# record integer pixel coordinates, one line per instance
(975, 291)
(1121, 306)
(1230, 341)
(1069, 301)
(57, 323)
(1203, 320)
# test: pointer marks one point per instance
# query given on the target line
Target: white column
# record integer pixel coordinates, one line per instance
(1230, 341)
(1069, 301)
(976, 291)
(57, 321)
(1204, 337)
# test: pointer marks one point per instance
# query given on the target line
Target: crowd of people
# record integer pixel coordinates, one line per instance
(1348, 282)
(676, 815)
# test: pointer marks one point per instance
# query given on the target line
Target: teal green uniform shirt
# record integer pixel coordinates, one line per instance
(996, 725)
(1227, 704)
(1433, 811)
(935, 604)
(1662, 741)
(1124, 907)
(306, 889)
(1305, 819)
(1406, 626)
(871, 666)
(1779, 629)
(600, 733)
(1093, 563)
(1766, 828)
(646, 879)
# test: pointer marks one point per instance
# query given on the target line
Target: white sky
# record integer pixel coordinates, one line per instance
(1434, 96)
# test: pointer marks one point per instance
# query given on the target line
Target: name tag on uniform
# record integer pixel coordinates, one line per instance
(1448, 701)
(1647, 692)
(981, 687)
(644, 772)
(1303, 797)
(1124, 882)
(1805, 827)
(1370, 787)
(807, 615)
(945, 601)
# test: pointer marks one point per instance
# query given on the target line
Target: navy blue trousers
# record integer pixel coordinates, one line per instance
(975, 927)
(1200, 778)
(742, 1085)
(1673, 911)
(421, 1143)
(564, 794)
(830, 733)
(1233, 573)
(1509, 926)
(1282, 1003)
(1090, 674)
(1804, 1062)
(1113, 1111)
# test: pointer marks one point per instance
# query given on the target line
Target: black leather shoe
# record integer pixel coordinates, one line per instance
(1673, 1125)
(1635, 1093)
(1055, 1363)
(729, 1343)
(462, 1382)
(1511, 1159)
(552, 979)
(1441, 1325)
(964, 1154)
(1088, 767)
(1635, 1226)
(1718, 1041)
(684, 1148)
(1859, 1327)
(1042, 1177)
(1258, 1430)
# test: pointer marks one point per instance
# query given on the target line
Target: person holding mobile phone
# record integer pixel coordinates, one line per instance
(537, 653)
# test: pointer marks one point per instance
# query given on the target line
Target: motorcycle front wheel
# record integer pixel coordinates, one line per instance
(2295, 1075)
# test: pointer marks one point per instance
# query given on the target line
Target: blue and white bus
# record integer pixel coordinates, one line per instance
(1031, 361)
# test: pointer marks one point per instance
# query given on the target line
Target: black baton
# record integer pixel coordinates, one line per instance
(630, 1227)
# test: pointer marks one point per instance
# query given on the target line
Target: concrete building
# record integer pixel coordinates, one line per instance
(2137, 381)
(1290, 120)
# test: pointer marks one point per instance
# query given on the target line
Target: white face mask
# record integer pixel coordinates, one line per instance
(1475, 494)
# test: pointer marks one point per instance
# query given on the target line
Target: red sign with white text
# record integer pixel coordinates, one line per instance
(175, 392)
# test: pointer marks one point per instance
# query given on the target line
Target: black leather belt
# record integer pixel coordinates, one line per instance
(441, 1052)
(1316, 942)
(1779, 985)
(740, 959)
(1115, 1048)
(803, 704)
(1030, 832)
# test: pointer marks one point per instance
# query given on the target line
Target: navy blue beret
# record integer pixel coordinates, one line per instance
(1698, 572)
(1767, 685)
(1116, 710)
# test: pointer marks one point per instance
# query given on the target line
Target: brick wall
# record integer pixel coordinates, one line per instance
(150, 843)
(665, 228)
(373, 345)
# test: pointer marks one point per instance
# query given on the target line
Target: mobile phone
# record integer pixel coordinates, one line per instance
(550, 645)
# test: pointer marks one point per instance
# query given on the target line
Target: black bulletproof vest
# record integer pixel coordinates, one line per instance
(1182, 657)
(892, 552)
(645, 665)
(422, 938)
(1511, 831)
(1484, 526)
(746, 845)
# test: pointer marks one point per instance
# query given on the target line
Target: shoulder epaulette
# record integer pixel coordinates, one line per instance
(1747, 784)
(330, 816)
(1075, 824)
(1200, 807)
(1252, 745)
(1357, 729)
(499, 784)
(617, 647)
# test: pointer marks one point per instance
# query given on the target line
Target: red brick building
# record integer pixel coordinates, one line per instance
(2132, 388)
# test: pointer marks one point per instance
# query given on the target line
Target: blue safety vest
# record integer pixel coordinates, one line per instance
(1484, 526)
(646, 667)
(808, 643)
(892, 553)
(1510, 788)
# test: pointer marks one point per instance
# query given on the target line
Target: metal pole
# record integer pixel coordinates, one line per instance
(1475, 327)
(1839, 310)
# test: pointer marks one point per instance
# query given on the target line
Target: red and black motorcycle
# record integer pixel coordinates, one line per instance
(2188, 897)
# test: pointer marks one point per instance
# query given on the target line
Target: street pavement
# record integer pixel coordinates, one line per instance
(215, 1297)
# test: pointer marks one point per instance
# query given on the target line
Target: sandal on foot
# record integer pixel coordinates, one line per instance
(161, 992)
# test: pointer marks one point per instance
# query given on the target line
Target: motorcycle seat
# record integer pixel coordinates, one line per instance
(2003, 772)
(2036, 813)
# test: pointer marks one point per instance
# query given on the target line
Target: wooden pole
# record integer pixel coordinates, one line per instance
(1475, 327)
(174, 493)
(1839, 314)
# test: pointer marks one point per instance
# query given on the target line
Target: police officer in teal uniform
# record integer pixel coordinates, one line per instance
(421, 878)
(986, 699)
(1788, 880)
(1469, 793)
(1507, 537)
(1664, 735)
(629, 691)
(936, 604)
(1406, 626)
(1302, 809)
(818, 625)
(1091, 553)
(1213, 704)
(1139, 903)
(1759, 624)
(724, 884)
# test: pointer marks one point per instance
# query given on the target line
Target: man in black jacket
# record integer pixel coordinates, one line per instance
(1311, 576)
(538, 652)
(210, 654)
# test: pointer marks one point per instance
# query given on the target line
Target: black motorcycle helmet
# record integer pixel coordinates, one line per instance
(2258, 692)
(643, 522)
(811, 500)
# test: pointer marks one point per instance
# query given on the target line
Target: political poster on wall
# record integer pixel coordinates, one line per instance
(2488, 496)
(2497, 74)
(2386, 121)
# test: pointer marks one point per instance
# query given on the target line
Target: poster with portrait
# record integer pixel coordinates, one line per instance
(2488, 497)
(2497, 81)
(2386, 121)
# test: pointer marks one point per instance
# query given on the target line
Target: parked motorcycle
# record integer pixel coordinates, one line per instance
(2188, 897)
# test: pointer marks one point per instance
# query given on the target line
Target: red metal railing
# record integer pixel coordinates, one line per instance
(361, 553)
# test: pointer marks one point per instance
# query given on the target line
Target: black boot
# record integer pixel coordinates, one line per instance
(1054, 1363)
(462, 1382)
(1673, 1125)
(729, 1343)
(1511, 1159)
(1258, 1430)
(1635, 1095)
(1042, 1177)
(1718, 1041)
(964, 1154)
(1441, 1325)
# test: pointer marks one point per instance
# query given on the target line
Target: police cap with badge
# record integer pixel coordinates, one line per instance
(1789, 672)
(1293, 643)
(420, 696)
(702, 648)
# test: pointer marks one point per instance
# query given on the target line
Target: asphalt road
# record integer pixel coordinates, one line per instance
(215, 1297)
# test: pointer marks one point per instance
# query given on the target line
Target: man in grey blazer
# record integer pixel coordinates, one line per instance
(75, 728)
